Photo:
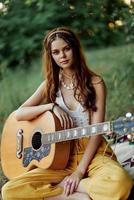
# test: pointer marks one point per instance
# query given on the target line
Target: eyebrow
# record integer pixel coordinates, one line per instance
(58, 49)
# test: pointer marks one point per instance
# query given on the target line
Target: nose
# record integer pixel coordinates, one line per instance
(62, 54)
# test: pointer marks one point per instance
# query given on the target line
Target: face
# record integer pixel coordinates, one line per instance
(62, 53)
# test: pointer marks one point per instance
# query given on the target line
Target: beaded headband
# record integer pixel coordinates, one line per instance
(62, 31)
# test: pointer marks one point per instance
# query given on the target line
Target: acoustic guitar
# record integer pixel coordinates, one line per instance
(42, 142)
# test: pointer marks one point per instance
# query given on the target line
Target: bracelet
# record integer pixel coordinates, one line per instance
(53, 107)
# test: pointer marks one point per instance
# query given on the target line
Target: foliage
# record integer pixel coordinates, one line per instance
(23, 25)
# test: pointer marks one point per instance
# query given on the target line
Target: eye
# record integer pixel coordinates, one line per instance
(67, 48)
(55, 52)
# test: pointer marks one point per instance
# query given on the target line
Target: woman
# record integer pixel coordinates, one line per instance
(77, 97)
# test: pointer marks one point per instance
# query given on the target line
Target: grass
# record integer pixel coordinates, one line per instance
(114, 64)
(15, 87)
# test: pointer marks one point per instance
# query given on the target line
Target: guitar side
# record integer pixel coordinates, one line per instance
(13, 166)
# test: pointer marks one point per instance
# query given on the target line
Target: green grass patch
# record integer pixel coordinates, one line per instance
(16, 86)
(116, 66)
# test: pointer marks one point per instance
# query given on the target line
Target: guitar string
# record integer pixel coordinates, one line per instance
(104, 152)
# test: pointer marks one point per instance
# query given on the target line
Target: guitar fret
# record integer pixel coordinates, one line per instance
(75, 133)
(93, 129)
(78, 132)
(68, 134)
(52, 137)
(59, 135)
(83, 132)
(99, 128)
(48, 137)
(105, 127)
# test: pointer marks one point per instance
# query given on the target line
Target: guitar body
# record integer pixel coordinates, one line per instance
(22, 148)
(42, 143)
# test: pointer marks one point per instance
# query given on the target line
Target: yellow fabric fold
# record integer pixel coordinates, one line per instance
(105, 179)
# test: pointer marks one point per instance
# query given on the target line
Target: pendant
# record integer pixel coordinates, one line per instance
(68, 87)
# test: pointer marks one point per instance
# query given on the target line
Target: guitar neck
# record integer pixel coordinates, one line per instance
(75, 133)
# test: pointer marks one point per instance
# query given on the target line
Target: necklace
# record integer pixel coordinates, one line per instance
(68, 87)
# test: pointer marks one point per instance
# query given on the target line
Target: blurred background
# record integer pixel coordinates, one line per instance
(106, 31)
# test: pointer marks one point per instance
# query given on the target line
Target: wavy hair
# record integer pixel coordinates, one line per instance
(86, 95)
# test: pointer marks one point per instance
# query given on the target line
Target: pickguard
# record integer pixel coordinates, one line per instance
(31, 154)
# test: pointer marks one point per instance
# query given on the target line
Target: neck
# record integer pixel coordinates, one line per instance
(68, 73)
(67, 80)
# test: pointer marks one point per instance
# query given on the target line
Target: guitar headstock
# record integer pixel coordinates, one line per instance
(125, 126)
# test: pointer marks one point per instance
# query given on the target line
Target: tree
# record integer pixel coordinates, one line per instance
(23, 25)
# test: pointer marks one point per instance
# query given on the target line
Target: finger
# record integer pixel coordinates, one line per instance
(64, 122)
(110, 133)
(67, 121)
(72, 187)
(67, 188)
(61, 121)
(66, 182)
(76, 185)
(71, 122)
(66, 178)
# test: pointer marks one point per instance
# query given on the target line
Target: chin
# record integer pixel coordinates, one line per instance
(65, 66)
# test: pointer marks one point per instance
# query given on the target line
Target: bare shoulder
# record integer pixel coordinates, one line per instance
(37, 96)
(97, 80)
(99, 84)
(41, 88)
(43, 84)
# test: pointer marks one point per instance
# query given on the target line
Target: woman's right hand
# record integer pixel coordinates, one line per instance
(65, 120)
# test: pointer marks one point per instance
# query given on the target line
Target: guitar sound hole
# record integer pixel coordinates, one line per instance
(36, 140)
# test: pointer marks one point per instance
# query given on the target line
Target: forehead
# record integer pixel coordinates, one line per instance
(58, 44)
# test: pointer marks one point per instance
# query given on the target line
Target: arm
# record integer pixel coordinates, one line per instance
(31, 108)
(94, 141)
(96, 117)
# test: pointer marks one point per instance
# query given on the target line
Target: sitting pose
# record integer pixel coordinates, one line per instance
(76, 96)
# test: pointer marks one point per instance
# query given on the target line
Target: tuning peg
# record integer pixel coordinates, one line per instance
(132, 118)
(128, 115)
(129, 137)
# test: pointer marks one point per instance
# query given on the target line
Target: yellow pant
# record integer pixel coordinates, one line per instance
(105, 178)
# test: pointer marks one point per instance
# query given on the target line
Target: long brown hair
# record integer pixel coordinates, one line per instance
(85, 87)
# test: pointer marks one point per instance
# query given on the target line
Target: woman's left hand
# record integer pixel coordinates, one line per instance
(71, 183)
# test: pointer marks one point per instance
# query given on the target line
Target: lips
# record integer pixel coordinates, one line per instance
(64, 62)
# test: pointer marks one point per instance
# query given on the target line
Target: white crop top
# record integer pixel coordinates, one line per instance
(79, 117)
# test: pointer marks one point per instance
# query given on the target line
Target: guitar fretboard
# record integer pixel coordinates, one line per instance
(75, 133)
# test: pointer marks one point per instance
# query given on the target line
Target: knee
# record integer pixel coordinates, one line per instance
(86, 197)
(124, 179)
(83, 196)
(5, 192)
(82, 191)
(124, 183)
